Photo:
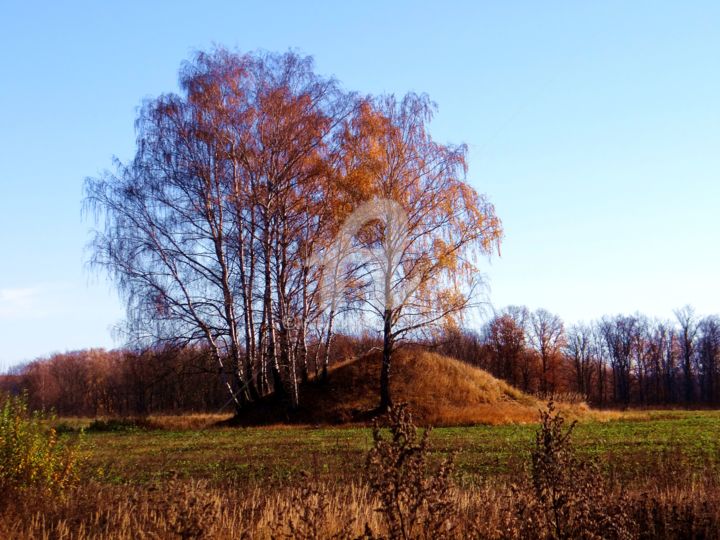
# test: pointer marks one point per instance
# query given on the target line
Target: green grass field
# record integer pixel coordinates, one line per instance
(632, 447)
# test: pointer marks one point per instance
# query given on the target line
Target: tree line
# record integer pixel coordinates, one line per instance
(615, 361)
(158, 380)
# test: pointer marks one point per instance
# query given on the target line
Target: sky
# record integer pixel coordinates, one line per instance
(594, 128)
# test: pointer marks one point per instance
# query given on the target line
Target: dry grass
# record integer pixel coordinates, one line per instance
(440, 390)
(446, 392)
(189, 510)
(194, 509)
(187, 421)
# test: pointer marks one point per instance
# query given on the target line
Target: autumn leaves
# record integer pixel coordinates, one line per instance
(242, 182)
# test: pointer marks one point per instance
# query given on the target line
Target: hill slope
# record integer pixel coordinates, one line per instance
(440, 390)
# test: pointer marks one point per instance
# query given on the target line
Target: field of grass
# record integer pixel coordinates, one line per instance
(633, 446)
(658, 476)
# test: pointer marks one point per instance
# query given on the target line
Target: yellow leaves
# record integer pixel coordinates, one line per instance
(30, 451)
(446, 257)
(450, 299)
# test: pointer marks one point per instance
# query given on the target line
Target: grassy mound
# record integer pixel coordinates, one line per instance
(441, 391)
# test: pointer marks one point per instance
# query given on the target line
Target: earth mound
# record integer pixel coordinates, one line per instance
(441, 391)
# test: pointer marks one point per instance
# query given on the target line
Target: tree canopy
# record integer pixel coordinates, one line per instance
(212, 232)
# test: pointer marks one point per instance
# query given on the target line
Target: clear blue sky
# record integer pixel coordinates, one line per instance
(594, 127)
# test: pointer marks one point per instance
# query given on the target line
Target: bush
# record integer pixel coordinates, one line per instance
(120, 425)
(568, 497)
(414, 503)
(31, 453)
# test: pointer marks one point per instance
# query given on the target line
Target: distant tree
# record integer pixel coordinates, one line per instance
(665, 339)
(600, 352)
(463, 344)
(655, 346)
(620, 336)
(580, 348)
(687, 334)
(708, 353)
(505, 335)
(547, 336)
(641, 363)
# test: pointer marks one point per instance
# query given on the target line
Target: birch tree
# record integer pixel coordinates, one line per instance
(418, 225)
(207, 231)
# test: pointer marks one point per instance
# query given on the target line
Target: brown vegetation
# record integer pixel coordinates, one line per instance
(156, 381)
(158, 385)
(198, 510)
(441, 391)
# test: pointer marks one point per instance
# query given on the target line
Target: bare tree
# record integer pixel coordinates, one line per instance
(708, 353)
(619, 333)
(547, 336)
(600, 352)
(580, 349)
(687, 333)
